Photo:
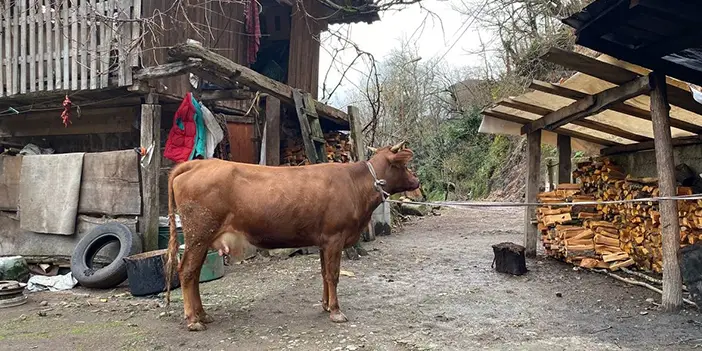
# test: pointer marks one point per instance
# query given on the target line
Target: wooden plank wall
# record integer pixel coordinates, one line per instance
(303, 64)
(50, 45)
(226, 36)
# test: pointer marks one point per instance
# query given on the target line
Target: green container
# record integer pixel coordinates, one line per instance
(212, 269)
(164, 235)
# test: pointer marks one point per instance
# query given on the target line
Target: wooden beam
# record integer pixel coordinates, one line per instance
(568, 132)
(166, 70)
(670, 225)
(594, 125)
(228, 94)
(532, 190)
(617, 75)
(91, 121)
(226, 69)
(590, 105)
(648, 145)
(150, 134)
(272, 131)
(621, 107)
(565, 167)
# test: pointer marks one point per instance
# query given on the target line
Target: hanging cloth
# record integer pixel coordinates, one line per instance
(214, 131)
(253, 29)
(199, 149)
(223, 150)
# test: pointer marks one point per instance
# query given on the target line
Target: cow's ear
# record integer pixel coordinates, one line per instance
(402, 157)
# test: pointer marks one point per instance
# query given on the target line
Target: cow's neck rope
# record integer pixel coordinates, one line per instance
(377, 183)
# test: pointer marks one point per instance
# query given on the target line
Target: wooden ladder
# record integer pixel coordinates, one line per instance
(312, 135)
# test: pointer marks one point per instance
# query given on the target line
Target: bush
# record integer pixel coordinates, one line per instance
(457, 154)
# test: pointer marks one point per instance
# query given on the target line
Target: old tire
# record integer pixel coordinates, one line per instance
(84, 253)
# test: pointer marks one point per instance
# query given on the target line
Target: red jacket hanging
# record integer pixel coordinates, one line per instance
(181, 138)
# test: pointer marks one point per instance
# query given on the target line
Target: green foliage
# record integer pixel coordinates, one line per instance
(456, 153)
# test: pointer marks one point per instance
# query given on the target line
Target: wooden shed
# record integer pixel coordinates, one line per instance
(102, 79)
(638, 105)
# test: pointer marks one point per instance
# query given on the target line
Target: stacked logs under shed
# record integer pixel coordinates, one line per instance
(338, 148)
(611, 235)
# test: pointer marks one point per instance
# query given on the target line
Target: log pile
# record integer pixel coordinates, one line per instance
(338, 148)
(611, 235)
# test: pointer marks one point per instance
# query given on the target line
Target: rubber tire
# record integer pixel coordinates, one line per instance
(116, 272)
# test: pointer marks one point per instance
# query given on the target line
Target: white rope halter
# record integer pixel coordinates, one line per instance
(378, 183)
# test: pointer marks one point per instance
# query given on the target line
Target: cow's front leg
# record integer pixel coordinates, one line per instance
(332, 263)
(191, 265)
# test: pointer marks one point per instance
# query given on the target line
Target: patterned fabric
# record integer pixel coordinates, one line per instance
(223, 149)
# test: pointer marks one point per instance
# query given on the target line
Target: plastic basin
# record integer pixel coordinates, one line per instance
(212, 268)
(146, 275)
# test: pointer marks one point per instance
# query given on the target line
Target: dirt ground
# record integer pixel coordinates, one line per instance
(428, 287)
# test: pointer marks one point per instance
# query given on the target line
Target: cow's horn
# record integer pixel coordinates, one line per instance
(397, 147)
(372, 149)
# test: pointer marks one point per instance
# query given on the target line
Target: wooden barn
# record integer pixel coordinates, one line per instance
(92, 86)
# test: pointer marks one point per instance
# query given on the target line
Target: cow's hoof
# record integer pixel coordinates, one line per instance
(206, 318)
(325, 307)
(197, 326)
(338, 317)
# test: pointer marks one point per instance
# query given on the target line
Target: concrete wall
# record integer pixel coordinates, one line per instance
(643, 164)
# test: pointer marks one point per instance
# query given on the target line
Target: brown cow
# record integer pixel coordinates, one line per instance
(227, 205)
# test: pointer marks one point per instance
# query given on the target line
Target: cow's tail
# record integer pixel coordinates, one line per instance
(172, 261)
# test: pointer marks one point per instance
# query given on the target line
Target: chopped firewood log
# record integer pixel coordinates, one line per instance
(622, 264)
(619, 256)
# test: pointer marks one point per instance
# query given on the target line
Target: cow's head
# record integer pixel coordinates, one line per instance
(391, 164)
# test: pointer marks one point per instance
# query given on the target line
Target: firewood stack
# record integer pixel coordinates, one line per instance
(611, 235)
(338, 148)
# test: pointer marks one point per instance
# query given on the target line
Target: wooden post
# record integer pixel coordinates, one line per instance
(565, 167)
(670, 226)
(549, 174)
(359, 150)
(532, 189)
(272, 131)
(150, 133)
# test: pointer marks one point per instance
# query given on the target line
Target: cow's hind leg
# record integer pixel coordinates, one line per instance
(332, 263)
(198, 228)
(193, 258)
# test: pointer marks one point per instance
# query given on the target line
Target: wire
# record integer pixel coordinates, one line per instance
(460, 204)
(475, 16)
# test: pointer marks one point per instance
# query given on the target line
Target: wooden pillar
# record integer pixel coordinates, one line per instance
(565, 167)
(549, 174)
(150, 133)
(272, 131)
(670, 226)
(360, 151)
(532, 190)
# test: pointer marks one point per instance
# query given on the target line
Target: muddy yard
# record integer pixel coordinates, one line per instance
(428, 287)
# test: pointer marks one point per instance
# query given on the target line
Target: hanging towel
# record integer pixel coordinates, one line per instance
(214, 131)
(253, 29)
(181, 138)
(199, 150)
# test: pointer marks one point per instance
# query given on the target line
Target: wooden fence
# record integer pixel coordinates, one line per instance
(50, 45)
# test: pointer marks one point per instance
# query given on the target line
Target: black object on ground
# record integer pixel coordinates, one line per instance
(146, 273)
(509, 258)
(691, 266)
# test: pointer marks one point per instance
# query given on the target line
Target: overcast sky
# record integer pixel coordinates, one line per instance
(382, 36)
